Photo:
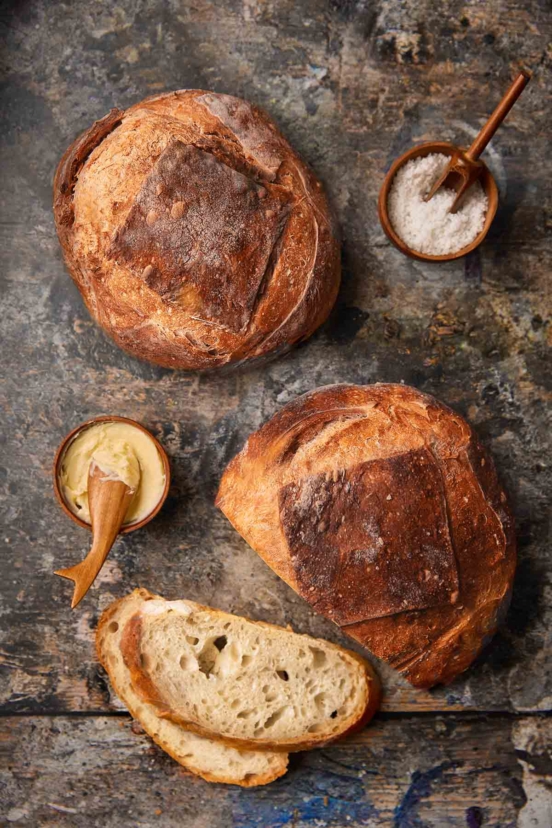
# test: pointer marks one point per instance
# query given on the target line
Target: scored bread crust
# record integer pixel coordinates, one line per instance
(150, 692)
(381, 508)
(255, 763)
(196, 289)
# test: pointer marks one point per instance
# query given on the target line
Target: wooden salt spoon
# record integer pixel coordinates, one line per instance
(108, 501)
(463, 168)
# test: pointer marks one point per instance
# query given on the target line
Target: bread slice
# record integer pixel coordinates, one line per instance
(212, 760)
(250, 684)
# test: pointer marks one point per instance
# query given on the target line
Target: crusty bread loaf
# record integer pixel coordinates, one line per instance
(380, 507)
(194, 232)
(251, 684)
(212, 760)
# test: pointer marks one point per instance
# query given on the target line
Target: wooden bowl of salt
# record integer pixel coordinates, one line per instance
(413, 219)
(438, 201)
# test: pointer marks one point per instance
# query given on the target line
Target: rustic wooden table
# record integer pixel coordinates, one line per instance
(352, 84)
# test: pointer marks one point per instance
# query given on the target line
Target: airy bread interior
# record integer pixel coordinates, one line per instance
(210, 759)
(244, 681)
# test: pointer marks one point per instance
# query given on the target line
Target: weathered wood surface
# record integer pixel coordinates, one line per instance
(444, 773)
(352, 84)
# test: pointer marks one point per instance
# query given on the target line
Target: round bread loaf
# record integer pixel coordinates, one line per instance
(195, 233)
(379, 506)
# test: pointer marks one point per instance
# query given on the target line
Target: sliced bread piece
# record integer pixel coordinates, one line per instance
(248, 683)
(212, 760)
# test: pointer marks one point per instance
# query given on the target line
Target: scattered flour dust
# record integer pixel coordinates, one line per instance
(427, 226)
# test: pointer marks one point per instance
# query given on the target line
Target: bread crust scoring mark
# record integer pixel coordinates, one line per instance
(202, 234)
(71, 163)
(257, 136)
(309, 493)
(372, 540)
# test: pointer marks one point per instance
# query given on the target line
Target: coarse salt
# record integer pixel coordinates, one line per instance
(428, 226)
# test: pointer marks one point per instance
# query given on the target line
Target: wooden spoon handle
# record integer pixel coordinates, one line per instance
(84, 573)
(109, 501)
(498, 115)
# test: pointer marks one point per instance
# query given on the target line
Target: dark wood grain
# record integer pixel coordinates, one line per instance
(352, 85)
(102, 771)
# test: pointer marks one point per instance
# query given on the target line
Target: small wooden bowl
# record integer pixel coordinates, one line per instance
(487, 182)
(61, 453)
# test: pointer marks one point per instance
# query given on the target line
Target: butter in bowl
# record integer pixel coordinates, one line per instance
(111, 476)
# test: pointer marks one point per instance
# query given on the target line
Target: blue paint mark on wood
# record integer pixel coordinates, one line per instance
(474, 817)
(421, 783)
(308, 795)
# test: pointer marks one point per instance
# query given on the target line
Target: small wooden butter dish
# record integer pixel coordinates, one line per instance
(110, 492)
(125, 529)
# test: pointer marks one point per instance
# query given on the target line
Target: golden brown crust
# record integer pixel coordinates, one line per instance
(145, 687)
(380, 507)
(248, 781)
(194, 232)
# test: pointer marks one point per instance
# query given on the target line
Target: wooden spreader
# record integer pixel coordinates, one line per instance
(108, 501)
(464, 168)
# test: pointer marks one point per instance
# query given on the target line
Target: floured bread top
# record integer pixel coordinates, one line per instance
(384, 521)
(201, 234)
(195, 233)
(380, 507)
